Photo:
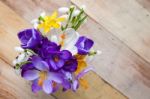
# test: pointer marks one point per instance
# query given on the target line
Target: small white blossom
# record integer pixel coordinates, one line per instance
(75, 13)
(98, 52)
(21, 57)
(43, 14)
(19, 49)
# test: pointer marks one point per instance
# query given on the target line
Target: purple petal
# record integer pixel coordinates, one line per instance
(55, 77)
(35, 86)
(47, 86)
(60, 63)
(75, 85)
(66, 85)
(70, 65)
(56, 65)
(65, 54)
(88, 44)
(39, 63)
(82, 73)
(31, 74)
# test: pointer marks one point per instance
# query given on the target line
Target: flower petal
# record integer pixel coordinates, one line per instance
(47, 86)
(82, 73)
(55, 77)
(75, 85)
(65, 54)
(39, 63)
(35, 86)
(31, 74)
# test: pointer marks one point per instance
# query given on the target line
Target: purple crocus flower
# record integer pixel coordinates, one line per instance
(46, 48)
(84, 45)
(29, 38)
(58, 59)
(42, 78)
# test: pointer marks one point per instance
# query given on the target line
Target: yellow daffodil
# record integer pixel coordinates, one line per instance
(51, 22)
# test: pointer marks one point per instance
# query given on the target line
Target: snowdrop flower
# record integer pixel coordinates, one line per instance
(19, 49)
(63, 10)
(75, 13)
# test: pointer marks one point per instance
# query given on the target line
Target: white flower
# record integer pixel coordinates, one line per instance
(71, 37)
(63, 10)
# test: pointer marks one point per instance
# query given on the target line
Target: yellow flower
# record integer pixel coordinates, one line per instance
(51, 22)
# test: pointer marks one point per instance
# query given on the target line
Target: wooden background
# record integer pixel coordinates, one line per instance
(120, 28)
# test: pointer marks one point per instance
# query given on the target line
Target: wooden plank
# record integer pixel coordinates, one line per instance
(12, 86)
(118, 64)
(127, 20)
(96, 84)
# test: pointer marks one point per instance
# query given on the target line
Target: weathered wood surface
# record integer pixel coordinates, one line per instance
(120, 64)
(14, 87)
(128, 72)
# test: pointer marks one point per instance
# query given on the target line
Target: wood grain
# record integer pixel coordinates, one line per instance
(13, 86)
(127, 20)
(118, 65)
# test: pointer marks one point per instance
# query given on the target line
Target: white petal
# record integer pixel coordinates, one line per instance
(19, 49)
(63, 10)
(75, 13)
(54, 39)
(21, 57)
(99, 52)
(43, 14)
(74, 50)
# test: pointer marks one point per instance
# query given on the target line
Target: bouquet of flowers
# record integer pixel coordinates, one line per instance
(53, 54)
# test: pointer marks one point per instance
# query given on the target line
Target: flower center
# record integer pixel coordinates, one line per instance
(43, 76)
(56, 59)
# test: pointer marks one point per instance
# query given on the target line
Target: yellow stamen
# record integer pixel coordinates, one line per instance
(43, 76)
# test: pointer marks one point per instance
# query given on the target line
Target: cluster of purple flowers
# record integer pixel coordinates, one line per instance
(51, 67)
